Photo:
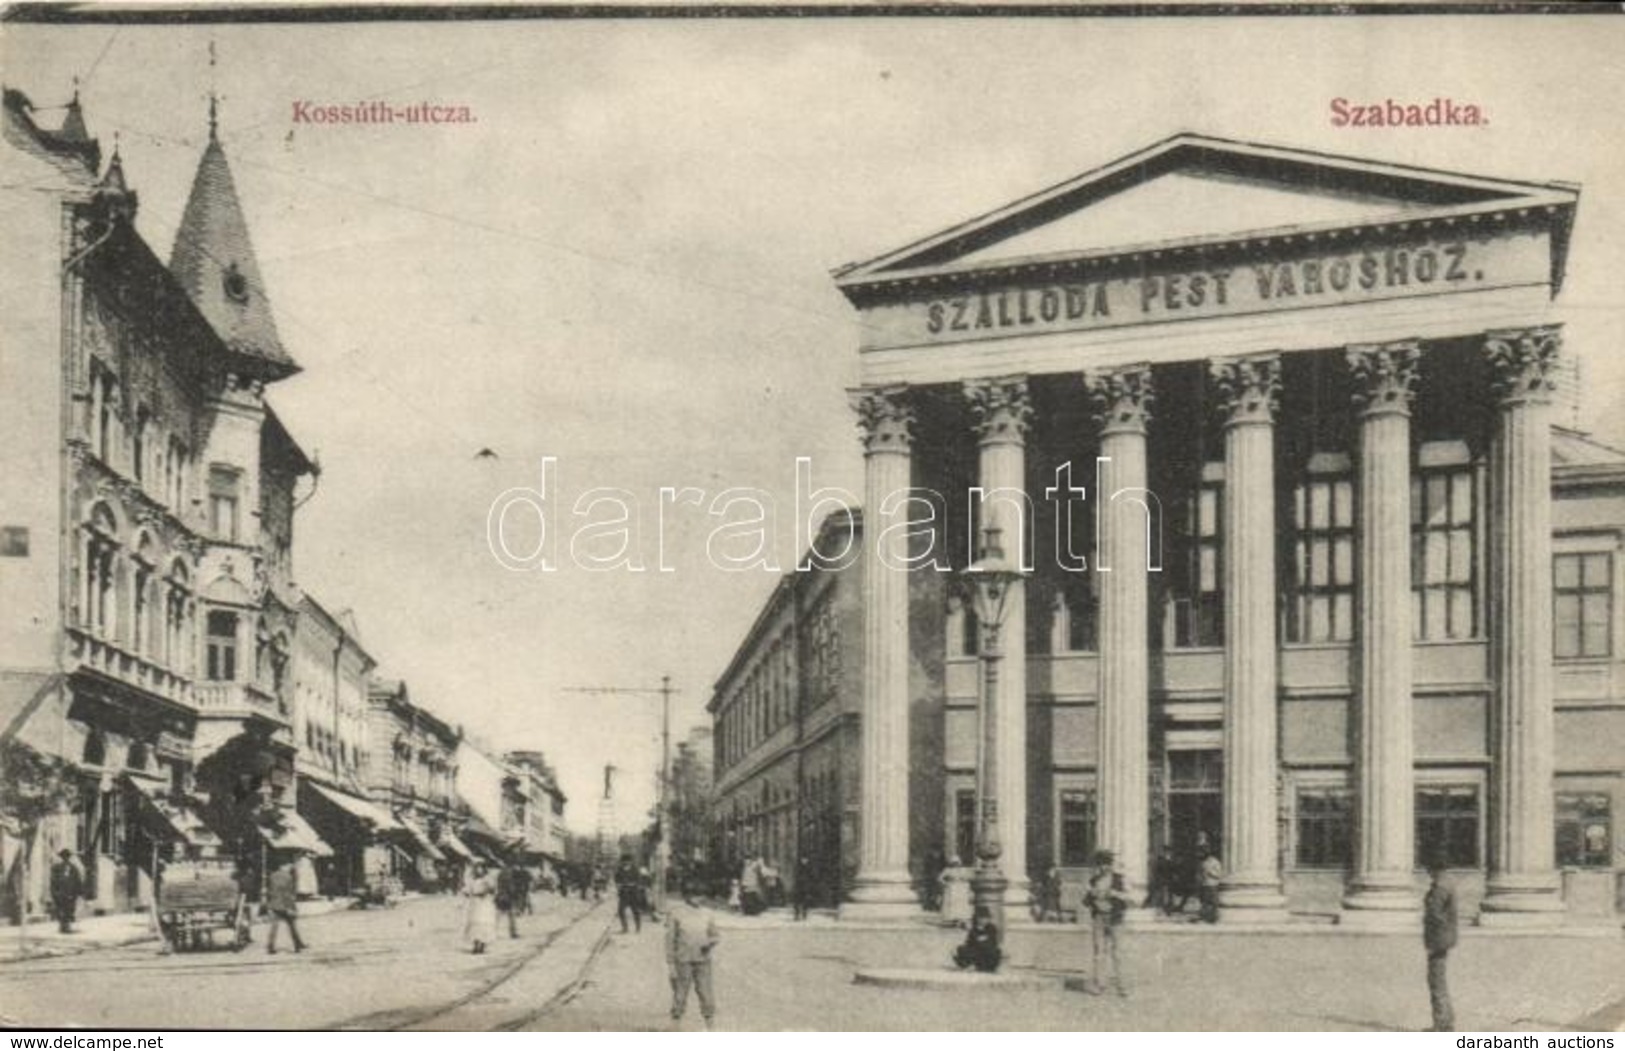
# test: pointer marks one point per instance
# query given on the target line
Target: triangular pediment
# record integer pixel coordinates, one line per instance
(1194, 189)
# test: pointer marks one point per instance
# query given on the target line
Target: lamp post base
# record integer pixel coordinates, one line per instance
(987, 890)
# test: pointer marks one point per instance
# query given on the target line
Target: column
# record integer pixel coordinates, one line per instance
(1523, 885)
(1383, 890)
(883, 888)
(1122, 400)
(1003, 412)
(1251, 889)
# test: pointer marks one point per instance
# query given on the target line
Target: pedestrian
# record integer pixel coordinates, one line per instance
(1439, 937)
(628, 890)
(282, 899)
(803, 889)
(691, 935)
(512, 888)
(751, 887)
(1107, 900)
(735, 897)
(1049, 900)
(980, 949)
(1164, 873)
(1212, 872)
(480, 915)
(67, 887)
(956, 904)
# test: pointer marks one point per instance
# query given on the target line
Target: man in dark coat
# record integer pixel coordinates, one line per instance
(282, 899)
(629, 893)
(980, 949)
(1439, 937)
(67, 887)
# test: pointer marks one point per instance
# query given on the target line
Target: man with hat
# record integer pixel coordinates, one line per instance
(67, 887)
(1438, 938)
(1107, 901)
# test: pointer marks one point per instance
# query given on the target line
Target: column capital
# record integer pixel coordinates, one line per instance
(885, 418)
(1120, 399)
(1384, 375)
(1249, 387)
(1523, 360)
(1002, 408)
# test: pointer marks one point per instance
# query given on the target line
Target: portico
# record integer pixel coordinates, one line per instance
(1269, 429)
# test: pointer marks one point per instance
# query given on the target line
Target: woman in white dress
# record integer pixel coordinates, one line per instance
(480, 918)
(956, 905)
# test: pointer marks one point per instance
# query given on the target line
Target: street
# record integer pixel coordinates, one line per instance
(572, 969)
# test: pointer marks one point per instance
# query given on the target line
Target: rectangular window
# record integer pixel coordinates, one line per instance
(1198, 614)
(1447, 825)
(13, 541)
(1583, 605)
(1444, 554)
(965, 825)
(221, 647)
(1325, 828)
(1322, 606)
(1584, 836)
(223, 502)
(1077, 814)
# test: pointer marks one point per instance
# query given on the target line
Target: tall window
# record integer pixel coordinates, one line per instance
(101, 573)
(224, 484)
(1076, 810)
(1325, 827)
(141, 619)
(1447, 825)
(143, 424)
(220, 646)
(1583, 604)
(1198, 614)
(1322, 606)
(179, 649)
(1583, 829)
(965, 825)
(1444, 554)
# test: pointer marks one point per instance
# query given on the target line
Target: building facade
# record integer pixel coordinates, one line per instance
(784, 729)
(151, 490)
(413, 773)
(545, 836)
(1309, 569)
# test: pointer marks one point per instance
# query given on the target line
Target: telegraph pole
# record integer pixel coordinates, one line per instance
(663, 845)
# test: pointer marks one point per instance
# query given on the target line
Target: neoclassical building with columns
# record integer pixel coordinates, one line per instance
(1318, 566)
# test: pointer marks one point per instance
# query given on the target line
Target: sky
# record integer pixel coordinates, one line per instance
(623, 264)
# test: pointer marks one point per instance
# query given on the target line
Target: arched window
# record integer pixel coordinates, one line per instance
(178, 607)
(101, 567)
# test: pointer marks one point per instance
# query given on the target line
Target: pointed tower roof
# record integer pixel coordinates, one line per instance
(214, 261)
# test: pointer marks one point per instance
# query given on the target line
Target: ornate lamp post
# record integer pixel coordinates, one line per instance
(989, 577)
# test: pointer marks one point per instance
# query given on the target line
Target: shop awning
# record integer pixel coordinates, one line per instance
(421, 840)
(361, 809)
(172, 820)
(452, 845)
(289, 831)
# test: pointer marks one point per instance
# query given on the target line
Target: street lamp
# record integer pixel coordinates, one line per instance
(991, 578)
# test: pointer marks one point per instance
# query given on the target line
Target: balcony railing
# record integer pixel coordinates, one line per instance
(102, 655)
(236, 698)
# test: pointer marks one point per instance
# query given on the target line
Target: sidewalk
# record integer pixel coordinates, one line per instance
(775, 974)
(110, 931)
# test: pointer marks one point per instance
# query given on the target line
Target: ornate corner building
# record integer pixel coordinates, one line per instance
(150, 608)
(1318, 566)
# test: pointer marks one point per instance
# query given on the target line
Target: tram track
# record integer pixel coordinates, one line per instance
(392, 1021)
